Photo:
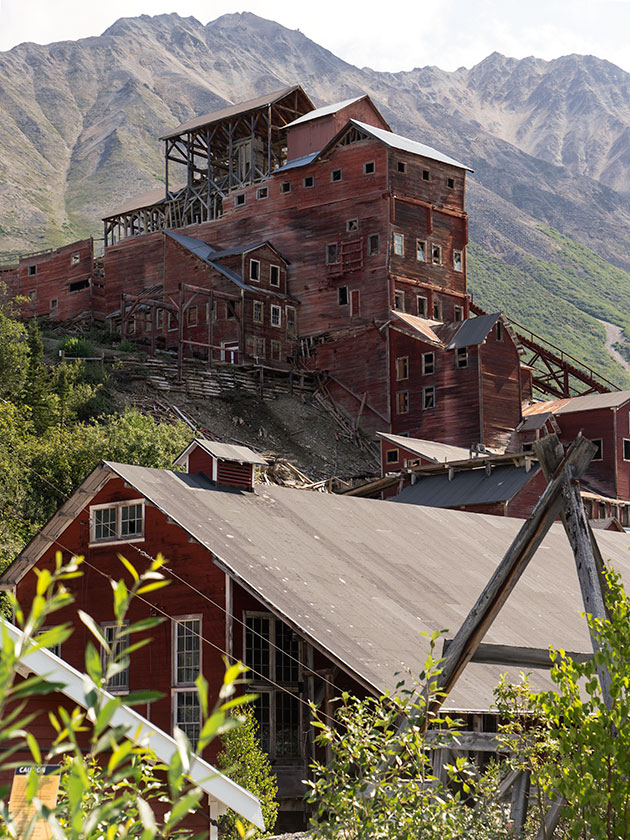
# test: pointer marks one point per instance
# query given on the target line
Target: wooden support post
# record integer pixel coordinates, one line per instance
(180, 337)
(520, 801)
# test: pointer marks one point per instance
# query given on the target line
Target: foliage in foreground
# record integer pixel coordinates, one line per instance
(243, 760)
(116, 789)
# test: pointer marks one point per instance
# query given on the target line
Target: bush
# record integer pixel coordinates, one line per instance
(76, 347)
(243, 760)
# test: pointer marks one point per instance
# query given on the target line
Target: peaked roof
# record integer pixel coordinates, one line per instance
(327, 110)
(473, 331)
(235, 110)
(224, 452)
(360, 578)
(468, 333)
(431, 450)
(140, 731)
(475, 486)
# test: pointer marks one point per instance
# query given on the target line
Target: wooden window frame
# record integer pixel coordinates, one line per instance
(402, 402)
(332, 248)
(424, 307)
(398, 239)
(399, 294)
(599, 457)
(366, 167)
(308, 182)
(276, 350)
(262, 193)
(260, 344)
(428, 396)
(190, 320)
(436, 248)
(421, 247)
(271, 280)
(352, 225)
(461, 357)
(438, 310)
(276, 310)
(75, 258)
(426, 174)
(54, 304)
(118, 538)
(175, 621)
(450, 183)
(342, 291)
(626, 441)
(32, 270)
(428, 363)
(285, 187)
(355, 294)
(239, 200)
(402, 368)
(401, 166)
(336, 175)
(458, 310)
(374, 244)
(253, 263)
(258, 312)
(119, 683)
(455, 261)
(392, 456)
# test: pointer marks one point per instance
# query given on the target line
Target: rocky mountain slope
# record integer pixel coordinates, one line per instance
(550, 197)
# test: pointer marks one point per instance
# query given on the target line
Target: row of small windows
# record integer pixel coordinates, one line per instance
(308, 181)
(275, 318)
(196, 315)
(427, 252)
(255, 273)
(429, 363)
(257, 348)
(428, 400)
(422, 307)
(401, 166)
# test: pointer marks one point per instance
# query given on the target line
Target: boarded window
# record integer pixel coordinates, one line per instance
(192, 316)
(276, 351)
(355, 302)
(119, 681)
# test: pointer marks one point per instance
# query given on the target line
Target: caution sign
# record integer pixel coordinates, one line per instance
(23, 811)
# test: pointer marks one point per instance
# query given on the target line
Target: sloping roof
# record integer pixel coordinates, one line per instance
(224, 452)
(301, 161)
(424, 326)
(429, 449)
(140, 731)
(404, 144)
(533, 422)
(615, 399)
(467, 487)
(233, 111)
(473, 331)
(361, 578)
(147, 199)
(326, 110)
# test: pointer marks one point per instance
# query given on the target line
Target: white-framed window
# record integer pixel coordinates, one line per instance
(276, 315)
(421, 250)
(56, 649)
(428, 363)
(436, 254)
(117, 522)
(428, 397)
(239, 200)
(186, 649)
(399, 244)
(458, 261)
(599, 451)
(254, 270)
(120, 681)
(258, 312)
(399, 300)
(274, 275)
(352, 225)
(272, 651)
(626, 449)
(187, 713)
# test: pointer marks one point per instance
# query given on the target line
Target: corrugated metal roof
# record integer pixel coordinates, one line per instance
(533, 422)
(615, 399)
(362, 578)
(206, 253)
(396, 141)
(224, 452)
(467, 487)
(473, 331)
(232, 111)
(429, 449)
(301, 161)
(325, 110)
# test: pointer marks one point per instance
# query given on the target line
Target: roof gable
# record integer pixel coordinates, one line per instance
(223, 452)
(335, 108)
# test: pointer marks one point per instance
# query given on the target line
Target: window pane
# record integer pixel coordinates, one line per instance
(105, 523)
(131, 520)
(287, 654)
(262, 714)
(287, 724)
(188, 714)
(187, 651)
(120, 680)
(257, 649)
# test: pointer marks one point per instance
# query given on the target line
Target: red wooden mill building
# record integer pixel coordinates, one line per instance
(318, 240)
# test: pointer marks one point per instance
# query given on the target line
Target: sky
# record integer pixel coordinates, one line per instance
(411, 33)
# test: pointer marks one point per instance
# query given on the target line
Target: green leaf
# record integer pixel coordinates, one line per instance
(94, 629)
(129, 567)
(93, 665)
(151, 587)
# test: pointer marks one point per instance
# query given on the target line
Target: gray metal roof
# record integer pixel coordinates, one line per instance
(467, 487)
(301, 161)
(206, 253)
(361, 578)
(396, 141)
(232, 111)
(224, 452)
(615, 399)
(325, 111)
(533, 422)
(473, 331)
(429, 449)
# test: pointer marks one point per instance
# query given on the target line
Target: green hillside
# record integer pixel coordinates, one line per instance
(559, 301)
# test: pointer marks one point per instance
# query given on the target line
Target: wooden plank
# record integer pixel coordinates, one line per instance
(513, 655)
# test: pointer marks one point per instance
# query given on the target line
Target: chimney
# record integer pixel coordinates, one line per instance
(224, 464)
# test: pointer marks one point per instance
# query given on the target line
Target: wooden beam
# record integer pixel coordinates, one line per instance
(519, 657)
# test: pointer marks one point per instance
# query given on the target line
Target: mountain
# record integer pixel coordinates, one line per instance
(548, 140)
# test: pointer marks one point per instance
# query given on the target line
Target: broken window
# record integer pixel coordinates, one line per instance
(78, 285)
(421, 250)
(75, 258)
(428, 363)
(392, 456)
(399, 244)
(462, 357)
(276, 351)
(172, 321)
(308, 181)
(274, 275)
(335, 175)
(436, 255)
(402, 368)
(276, 316)
(450, 182)
(254, 270)
(458, 263)
(285, 187)
(428, 397)
(32, 269)
(352, 224)
(423, 306)
(437, 310)
(192, 316)
(54, 303)
(259, 312)
(369, 168)
(426, 175)
(239, 199)
(399, 300)
(230, 310)
(342, 295)
(262, 192)
(332, 253)
(599, 449)
(374, 244)
(458, 313)
(402, 167)
(402, 402)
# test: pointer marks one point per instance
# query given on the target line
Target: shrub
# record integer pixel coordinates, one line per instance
(77, 347)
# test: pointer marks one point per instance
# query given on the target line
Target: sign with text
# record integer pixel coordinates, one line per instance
(23, 811)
